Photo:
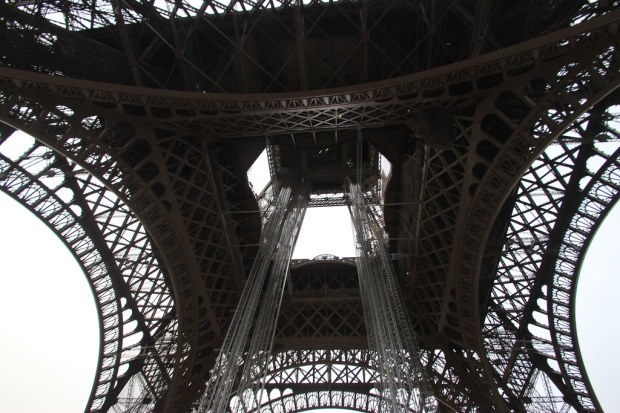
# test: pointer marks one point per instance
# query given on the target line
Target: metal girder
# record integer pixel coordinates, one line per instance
(487, 201)
(169, 157)
(296, 379)
(119, 261)
(57, 49)
(558, 116)
(50, 123)
(372, 105)
(311, 322)
(541, 259)
(297, 45)
(126, 41)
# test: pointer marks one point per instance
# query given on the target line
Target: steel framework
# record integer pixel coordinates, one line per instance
(498, 119)
(390, 335)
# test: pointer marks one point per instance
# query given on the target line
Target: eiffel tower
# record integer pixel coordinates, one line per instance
(497, 121)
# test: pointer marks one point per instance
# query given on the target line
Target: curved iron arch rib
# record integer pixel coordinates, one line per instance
(560, 202)
(134, 302)
(175, 203)
(105, 146)
(597, 198)
(299, 402)
(295, 378)
(572, 88)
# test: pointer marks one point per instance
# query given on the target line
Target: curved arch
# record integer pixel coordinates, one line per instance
(597, 198)
(335, 399)
(105, 146)
(253, 114)
(574, 88)
(28, 100)
(290, 382)
(133, 300)
(529, 327)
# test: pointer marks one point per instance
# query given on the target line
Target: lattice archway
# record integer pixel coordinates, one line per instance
(91, 143)
(132, 293)
(293, 379)
(553, 222)
(314, 400)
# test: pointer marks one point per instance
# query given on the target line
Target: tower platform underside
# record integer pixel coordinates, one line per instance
(498, 120)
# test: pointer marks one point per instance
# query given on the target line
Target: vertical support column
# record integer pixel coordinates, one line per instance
(259, 354)
(277, 241)
(405, 385)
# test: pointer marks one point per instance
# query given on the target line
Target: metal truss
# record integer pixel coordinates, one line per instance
(390, 333)
(268, 273)
(294, 378)
(571, 94)
(86, 139)
(231, 355)
(273, 46)
(386, 102)
(323, 257)
(133, 298)
(529, 329)
(492, 116)
(251, 385)
(321, 304)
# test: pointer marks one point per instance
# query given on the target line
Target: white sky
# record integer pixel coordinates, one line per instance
(598, 324)
(329, 221)
(49, 330)
(325, 230)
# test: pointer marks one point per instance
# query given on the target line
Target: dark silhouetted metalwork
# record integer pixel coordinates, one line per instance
(498, 120)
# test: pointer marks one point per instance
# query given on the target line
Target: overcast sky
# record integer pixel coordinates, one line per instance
(49, 330)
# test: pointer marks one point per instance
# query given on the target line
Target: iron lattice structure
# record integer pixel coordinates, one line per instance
(497, 119)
